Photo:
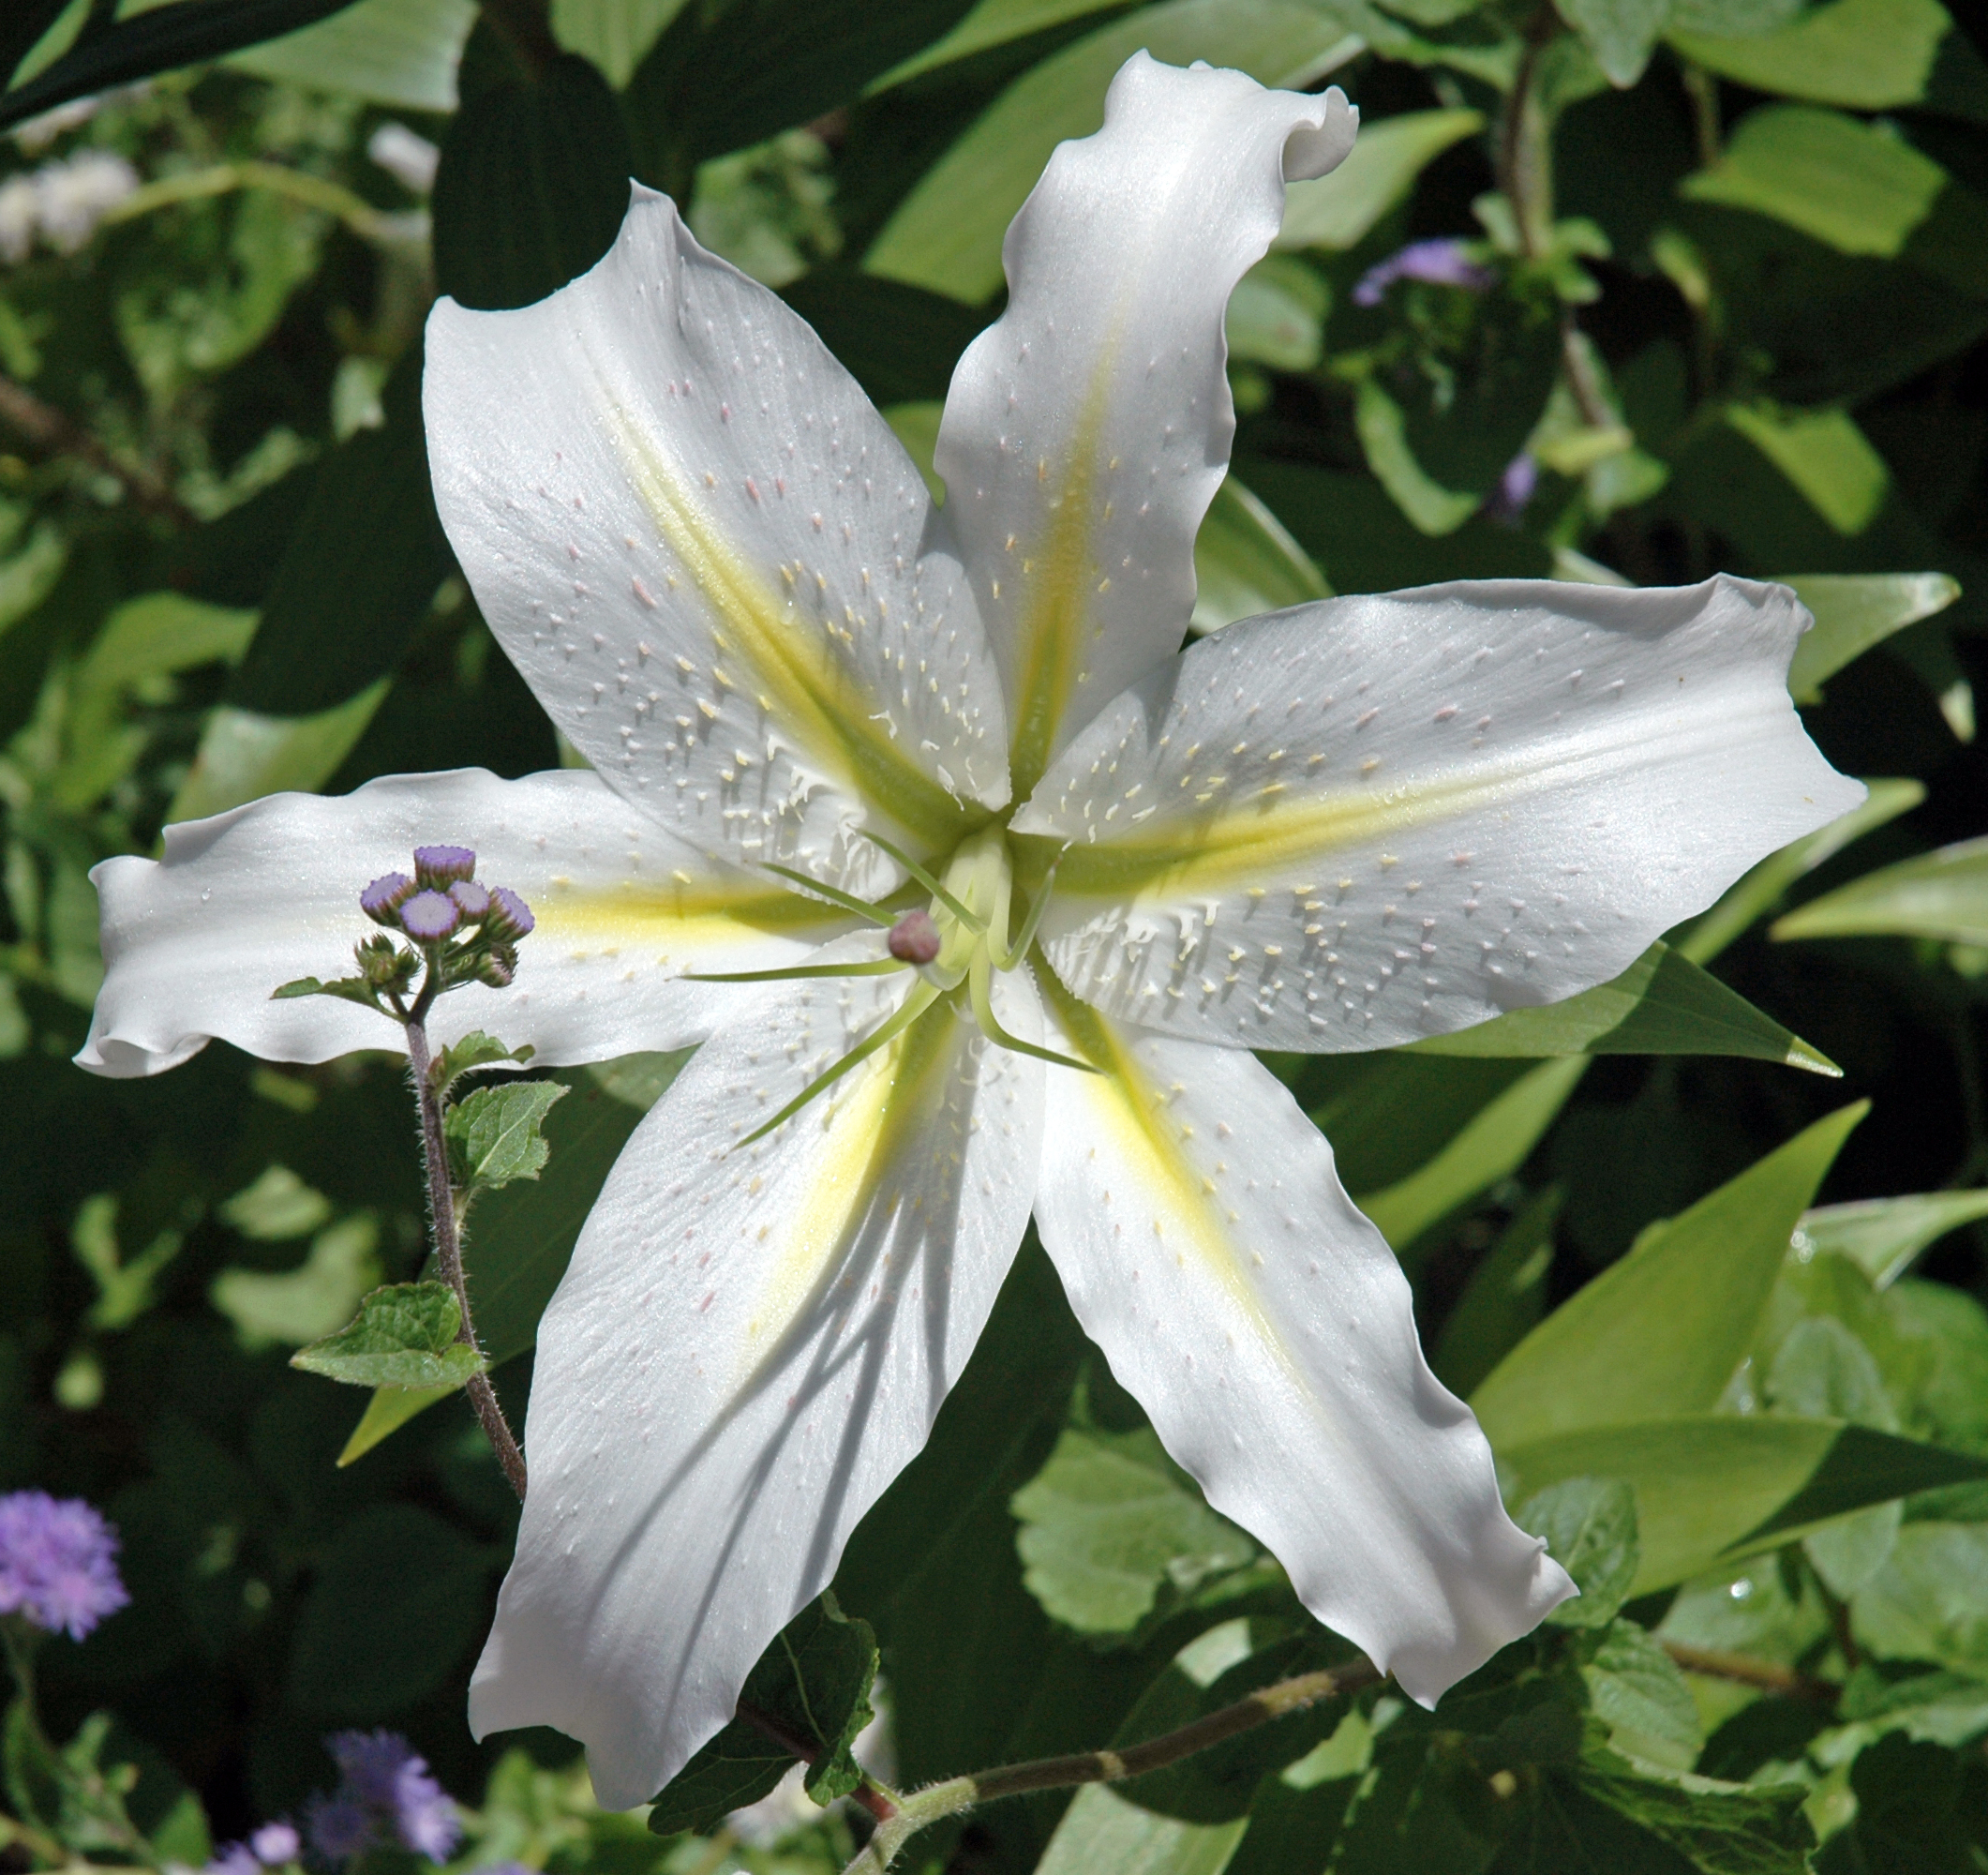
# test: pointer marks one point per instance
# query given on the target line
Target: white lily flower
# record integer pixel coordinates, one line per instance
(1342, 827)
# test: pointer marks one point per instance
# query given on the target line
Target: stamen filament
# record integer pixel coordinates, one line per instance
(978, 977)
(974, 923)
(794, 972)
(833, 894)
(1007, 960)
(915, 1005)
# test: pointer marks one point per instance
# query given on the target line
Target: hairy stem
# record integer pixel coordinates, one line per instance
(1108, 1767)
(1716, 1663)
(448, 1247)
(879, 1802)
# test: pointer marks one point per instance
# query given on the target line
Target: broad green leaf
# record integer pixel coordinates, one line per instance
(813, 1683)
(160, 633)
(1914, 1812)
(1621, 34)
(1662, 1004)
(1661, 1331)
(29, 576)
(396, 1599)
(615, 34)
(1930, 656)
(1716, 1829)
(1276, 315)
(1493, 1146)
(532, 187)
(1824, 455)
(639, 1081)
(404, 1335)
(279, 1205)
(1714, 1485)
(1855, 612)
(1340, 210)
(1504, 1299)
(1247, 562)
(946, 235)
(1883, 1236)
(244, 754)
(454, 1059)
(496, 1132)
(1842, 182)
(1865, 55)
(401, 53)
(1760, 889)
(900, 343)
(1101, 1831)
(1930, 1599)
(1384, 436)
(309, 1301)
(916, 427)
(1634, 1686)
(1110, 1530)
(992, 23)
(1589, 1528)
(1939, 894)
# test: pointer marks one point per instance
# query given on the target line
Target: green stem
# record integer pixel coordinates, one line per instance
(926, 1807)
(309, 191)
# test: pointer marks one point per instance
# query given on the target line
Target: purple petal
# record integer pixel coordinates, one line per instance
(430, 916)
(276, 1843)
(57, 1563)
(385, 895)
(1443, 262)
(442, 866)
(472, 898)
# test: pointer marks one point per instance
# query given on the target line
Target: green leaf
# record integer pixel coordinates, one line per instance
(1276, 315)
(1760, 889)
(947, 234)
(161, 633)
(1909, 1815)
(279, 1205)
(615, 34)
(1111, 1530)
(899, 343)
(1662, 1004)
(1384, 435)
(398, 52)
(454, 1059)
(1634, 1686)
(992, 23)
(1824, 455)
(1717, 1485)
(1621, 34)
(1841, 181)
(246, 754)
(1865, 55)
(387, 1411)
(1589, 1528)
(1102, 1831)
(1247, 562)
(1855, 612)
(814, 1684)
(1884, 1236)
(359, 573)
(1939, 894)
(302, 1304)
(1930, 1599)
(1504, 1298)
(1719, 1830)
(347, 989)
(404, 1335)
(1496, 1142)
(532, 187)
(1340, 210)
(494, 1133)
(1661, 1331)
(396, 1598)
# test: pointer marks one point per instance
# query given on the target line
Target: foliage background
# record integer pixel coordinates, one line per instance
(220, 573)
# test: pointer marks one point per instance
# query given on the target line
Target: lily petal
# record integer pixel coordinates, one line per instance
(1207, 1247)
(713, 561)
(1089, 429)
(266, 893)
(751, 1342)
(1370, 820)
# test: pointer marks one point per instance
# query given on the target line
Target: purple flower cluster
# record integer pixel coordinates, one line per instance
(1442, 262)
(276, 1845)
(444, 901)
(386, 1795)
(58, 1563)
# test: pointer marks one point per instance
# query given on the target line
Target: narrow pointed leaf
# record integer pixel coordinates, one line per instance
(1941, 894)
(1883, 1235)
(1855, 612)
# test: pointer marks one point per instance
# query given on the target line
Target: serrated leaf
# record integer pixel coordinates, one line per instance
(1633, 1685)
(495, 1133)
(1110, 1530)
(1589, 1528)
(1718, 1830)
(1854, 611)
(1662, 1004)
(814, 1685)
(404, 1335)
(348, 989)
(1662, 1330)
(1941, 894)
(475, 1050)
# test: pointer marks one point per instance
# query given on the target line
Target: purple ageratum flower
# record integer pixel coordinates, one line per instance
(233, 1858)
(274, 1844)
(1445, 263)
(386, 1779)
(57, 1563)
(340, 1827)
(1513, 490)
(442, 866)
(385, 897)
(430, 916)
(471, 899)
(510, 917)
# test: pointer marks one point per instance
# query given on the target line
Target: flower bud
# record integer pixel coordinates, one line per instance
(498, 968)
(509, 917)
(381, 900)
(471, 899)
(429, 917)
(440, 867)
(914, 939)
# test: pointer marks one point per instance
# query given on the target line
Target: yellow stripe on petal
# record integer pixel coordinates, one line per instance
(764, 647)
(677, 923)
